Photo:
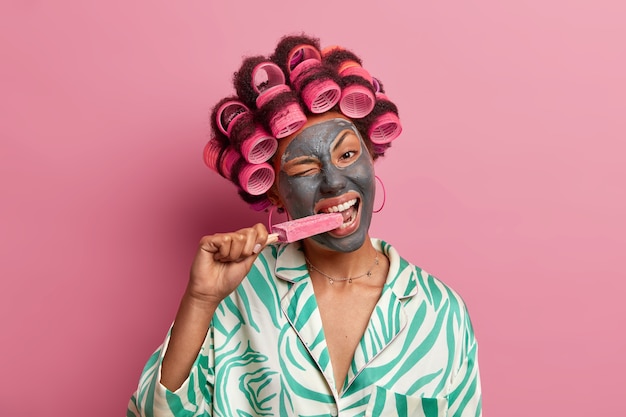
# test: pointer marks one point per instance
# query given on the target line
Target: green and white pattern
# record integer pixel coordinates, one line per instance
(265, 353)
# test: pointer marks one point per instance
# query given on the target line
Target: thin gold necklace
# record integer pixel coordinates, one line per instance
(332, 280)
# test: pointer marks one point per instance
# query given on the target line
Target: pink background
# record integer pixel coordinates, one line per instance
(507, 183)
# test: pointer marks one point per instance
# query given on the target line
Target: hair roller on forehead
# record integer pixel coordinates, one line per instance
(318, 85)
(262, 83)
(255, 179)
(357, 95)
(234, 120)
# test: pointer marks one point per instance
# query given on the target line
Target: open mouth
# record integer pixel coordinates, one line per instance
(348, 210)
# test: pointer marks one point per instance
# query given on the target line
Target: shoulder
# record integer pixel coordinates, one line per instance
(421, 286)
(437, 293)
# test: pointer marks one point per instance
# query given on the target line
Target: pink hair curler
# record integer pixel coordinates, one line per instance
(269, 94)
(228, 161)
(287, 121)
(318, 95)
(358, 71)
(348, 63)
(259, 147)
(220, 158)
(288, 118)
(302, 53)
(228, 114)
(376, 85)
(385, 128)
(211, 154)
(356, 101)
(269, 81)
(265, 76)
(254, 179)
(303, 68)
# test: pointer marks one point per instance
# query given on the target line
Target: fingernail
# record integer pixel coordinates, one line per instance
(257, 248)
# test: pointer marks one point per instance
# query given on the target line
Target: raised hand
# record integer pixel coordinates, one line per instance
(223, 260)
(221, 263)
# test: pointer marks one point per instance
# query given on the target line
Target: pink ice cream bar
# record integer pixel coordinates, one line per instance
(304, 227)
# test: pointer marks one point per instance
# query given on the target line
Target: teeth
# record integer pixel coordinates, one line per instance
(341, 207)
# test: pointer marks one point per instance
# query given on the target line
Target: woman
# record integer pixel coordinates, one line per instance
(335, 324)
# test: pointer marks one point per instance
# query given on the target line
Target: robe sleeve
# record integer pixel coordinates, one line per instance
(464, 396)
(193, 398)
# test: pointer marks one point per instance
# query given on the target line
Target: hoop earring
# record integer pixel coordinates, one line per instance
(269, 216)
(384, 194)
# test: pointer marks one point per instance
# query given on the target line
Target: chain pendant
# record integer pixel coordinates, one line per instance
(331, 280)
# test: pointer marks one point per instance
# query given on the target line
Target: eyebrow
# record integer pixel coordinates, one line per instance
(342, 138)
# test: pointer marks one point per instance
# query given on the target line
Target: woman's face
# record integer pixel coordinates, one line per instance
(326, 167)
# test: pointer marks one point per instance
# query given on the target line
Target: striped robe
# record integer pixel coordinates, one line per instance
(265, 353)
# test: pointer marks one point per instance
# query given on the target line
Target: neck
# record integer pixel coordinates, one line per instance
(340, 264)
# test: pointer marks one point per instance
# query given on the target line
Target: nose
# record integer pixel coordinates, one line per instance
(333, 181)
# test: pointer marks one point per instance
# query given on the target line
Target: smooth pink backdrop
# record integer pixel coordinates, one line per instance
(507, 183)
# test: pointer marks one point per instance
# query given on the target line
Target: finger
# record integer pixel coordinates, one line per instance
(223, 243)
(207, 244)
(255, 238)
(238, 242)
(236, 246)
(261, 237)
(250, 242)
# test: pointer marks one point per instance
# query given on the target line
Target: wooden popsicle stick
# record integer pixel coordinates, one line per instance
(272, 238)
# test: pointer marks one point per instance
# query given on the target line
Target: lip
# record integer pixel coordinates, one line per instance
(335, 201)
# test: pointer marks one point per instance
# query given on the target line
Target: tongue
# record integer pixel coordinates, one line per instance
(347, 214)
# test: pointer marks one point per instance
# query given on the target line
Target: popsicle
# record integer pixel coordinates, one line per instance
(304, 227)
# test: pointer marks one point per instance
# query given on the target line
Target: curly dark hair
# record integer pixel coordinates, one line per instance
(274, 96)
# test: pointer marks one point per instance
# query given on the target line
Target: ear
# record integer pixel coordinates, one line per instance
(272, 195)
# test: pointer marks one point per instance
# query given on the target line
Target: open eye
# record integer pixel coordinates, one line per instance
(346, 158)
(346, 149)
(347, 155)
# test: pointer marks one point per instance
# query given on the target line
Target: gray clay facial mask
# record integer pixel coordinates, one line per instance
(327, 168)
